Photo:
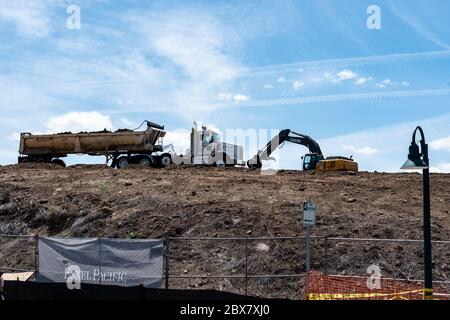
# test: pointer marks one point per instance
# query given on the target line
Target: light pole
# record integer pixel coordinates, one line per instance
(419, 160)
(309, 220)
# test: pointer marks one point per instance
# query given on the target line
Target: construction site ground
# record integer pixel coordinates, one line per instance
(186, 201)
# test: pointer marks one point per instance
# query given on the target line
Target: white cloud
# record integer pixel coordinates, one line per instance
(345, 75)
(8, 155)
(391, 141)
(297, 85)
(179, 138)
(240, 98)
(268, 86)
(126, 122)
(14, 136)
(441, 144)
(441, 168)
(193, 41)
(363, 80)
(30, 17)
(366, 151)
(21, 95)
(193, 53)
(79, 121)
(225, 96)
(345, 97)
(422, 28)
(340, 76)
(328, 76)
(391, 83)
(281, 79)
(125, 102)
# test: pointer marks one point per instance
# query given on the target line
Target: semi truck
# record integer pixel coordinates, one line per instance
(206, 148)
(121, 147)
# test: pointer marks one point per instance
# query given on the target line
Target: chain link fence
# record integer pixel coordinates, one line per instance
(272, 267)
(18, 253)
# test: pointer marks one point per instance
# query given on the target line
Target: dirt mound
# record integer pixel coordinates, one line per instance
(189, 201)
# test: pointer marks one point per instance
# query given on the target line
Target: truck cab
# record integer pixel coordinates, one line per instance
(208, 149)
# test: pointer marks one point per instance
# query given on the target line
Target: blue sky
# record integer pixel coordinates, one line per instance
(312, 66)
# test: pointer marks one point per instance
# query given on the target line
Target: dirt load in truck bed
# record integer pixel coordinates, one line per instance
(96, 201)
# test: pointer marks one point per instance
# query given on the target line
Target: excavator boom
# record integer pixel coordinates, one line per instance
(283, 136)
(312, 161)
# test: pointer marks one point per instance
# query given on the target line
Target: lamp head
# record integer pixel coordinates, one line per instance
(414, 161)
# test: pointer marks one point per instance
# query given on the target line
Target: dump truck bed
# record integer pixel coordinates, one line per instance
(92, 143)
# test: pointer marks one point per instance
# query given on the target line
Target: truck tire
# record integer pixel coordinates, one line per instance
(164, 160)
(254, 166)
(222, 160)
(59, 162)
(146, 161)
(122, 162)
(24, 160)
(220, 164)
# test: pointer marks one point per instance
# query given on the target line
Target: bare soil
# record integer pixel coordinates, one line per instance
(185, 201)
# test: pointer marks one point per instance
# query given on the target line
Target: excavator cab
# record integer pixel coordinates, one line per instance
(310, 161)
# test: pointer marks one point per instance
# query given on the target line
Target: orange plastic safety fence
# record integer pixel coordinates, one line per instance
(332, 287)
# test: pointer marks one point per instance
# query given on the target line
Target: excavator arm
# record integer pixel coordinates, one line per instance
(283, 136)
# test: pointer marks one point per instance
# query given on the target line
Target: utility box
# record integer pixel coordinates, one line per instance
(309, 213)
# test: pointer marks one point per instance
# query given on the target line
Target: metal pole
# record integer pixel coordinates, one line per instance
(326, 255)
(100, 259)
(427, 236)
(308, 259)
(166, 252)
(36, 255)
(428, 263)
(246, 265)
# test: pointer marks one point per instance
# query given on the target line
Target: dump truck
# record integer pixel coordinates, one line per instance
(122, 147)
(313, 161)
(206, 148)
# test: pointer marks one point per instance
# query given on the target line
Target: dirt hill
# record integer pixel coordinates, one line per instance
(96, 201)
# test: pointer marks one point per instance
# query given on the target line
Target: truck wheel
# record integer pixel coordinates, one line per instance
(253, 166)
(220, 164)
(122, 162)
(223, 160)
(24, 160)
(146, 161)
(59, 162)
(165, 160)
(229, 162)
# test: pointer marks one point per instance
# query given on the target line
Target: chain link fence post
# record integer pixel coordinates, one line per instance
(326, 254)
(36, 255)
(100, 259)
(166, 256)
(246, 266)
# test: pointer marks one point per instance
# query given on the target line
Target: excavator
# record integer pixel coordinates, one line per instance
(312, 161)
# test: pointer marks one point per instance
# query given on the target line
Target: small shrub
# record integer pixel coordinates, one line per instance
(134, 235)
(103, 186)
